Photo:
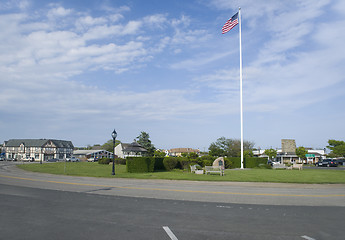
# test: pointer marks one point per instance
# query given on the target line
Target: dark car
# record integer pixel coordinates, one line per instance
(327, 163)
(333, 163)
(341, 162)
(52, 160)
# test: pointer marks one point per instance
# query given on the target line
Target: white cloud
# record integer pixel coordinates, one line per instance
(58, 12)
(14, 4)
(68, 69)
(200, 60)
(43, 58)
(281, 77)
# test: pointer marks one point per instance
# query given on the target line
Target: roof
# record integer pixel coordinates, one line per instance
(38, 143)
(183, 150)
(133, 147)
(86, 152)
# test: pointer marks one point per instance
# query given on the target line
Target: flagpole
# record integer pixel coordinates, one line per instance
(241, 93)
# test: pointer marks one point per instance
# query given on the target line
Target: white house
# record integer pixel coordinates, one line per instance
(133, 149)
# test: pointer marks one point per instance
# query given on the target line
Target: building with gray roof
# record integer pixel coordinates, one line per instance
(37, 149)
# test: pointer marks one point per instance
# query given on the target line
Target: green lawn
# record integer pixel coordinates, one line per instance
(247, 175)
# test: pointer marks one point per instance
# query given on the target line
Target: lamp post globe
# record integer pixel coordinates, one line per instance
(113, 135)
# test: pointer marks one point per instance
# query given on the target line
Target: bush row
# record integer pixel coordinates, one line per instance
(150, 164)
(231, 162)
(108, 160)
(140, 164)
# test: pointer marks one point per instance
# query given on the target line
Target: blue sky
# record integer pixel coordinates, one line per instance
(76, 70)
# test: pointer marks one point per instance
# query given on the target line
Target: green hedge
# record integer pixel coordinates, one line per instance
(140, 164)
(234, 162)
(159, 163)
(253, 162)
(104, 161)
(151, 164)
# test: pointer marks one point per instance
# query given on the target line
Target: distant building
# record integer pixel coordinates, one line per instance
(37, 149)
(287, 153)
(87, 154)
(177, 152)
(288, 146)
(133, 149)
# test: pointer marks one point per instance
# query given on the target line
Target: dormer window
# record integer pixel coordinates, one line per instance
(21, 147)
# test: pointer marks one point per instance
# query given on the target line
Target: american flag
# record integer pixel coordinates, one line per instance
(232, 22)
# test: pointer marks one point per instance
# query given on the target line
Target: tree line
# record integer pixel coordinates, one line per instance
(227, 147)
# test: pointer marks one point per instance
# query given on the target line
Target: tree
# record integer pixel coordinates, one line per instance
(144, 140)
(301, 152)
(337, 148)
(192, 155)
(230, 148)
(108, 146)
(271, 153)
(159, 153)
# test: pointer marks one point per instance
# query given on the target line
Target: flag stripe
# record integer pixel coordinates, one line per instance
(232, 22)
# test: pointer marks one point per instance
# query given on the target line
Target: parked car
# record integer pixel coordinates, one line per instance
(92, 159)
(29, 159)
(333, 163)
(341, 161)
(271, 163)
(327, 163)
(52, 160)
(73, 159)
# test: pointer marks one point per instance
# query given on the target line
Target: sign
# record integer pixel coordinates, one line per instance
(310, 155)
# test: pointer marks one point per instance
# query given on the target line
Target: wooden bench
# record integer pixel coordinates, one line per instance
(298, 166)
(194, 169)
(279, 166)
(214, 169)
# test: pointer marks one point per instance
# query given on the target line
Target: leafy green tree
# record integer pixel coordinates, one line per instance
(159, 154)
(108, 146)
(271, 153)
(219, 148)
(230, 148)
(337, 148)
(144, 140)
(247, 153)
(192, 155)
(301, 152)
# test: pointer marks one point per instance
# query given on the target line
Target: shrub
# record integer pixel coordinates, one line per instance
(121, 161)
(207, 163)
(104, 161)
(140, 164)
(170, 163)
(183, 163)
(207, 157)
(228, 164)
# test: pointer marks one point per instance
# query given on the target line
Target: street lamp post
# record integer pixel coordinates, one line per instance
(114, 135)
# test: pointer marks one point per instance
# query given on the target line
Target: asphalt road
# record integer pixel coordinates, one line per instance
(43, 206)
(32, 213)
